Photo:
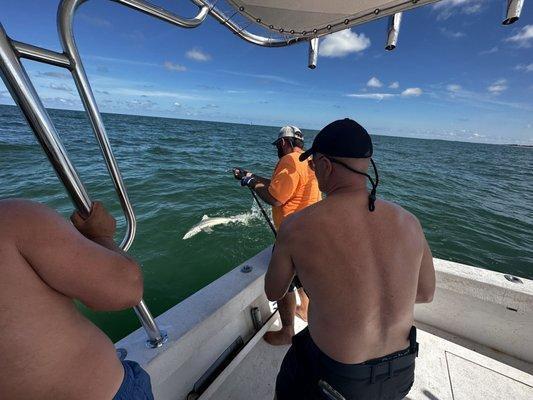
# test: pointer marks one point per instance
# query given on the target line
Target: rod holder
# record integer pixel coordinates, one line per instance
(393, 30)
(514, 8)
(313, 52)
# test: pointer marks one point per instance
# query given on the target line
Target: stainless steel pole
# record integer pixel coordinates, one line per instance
(22, 90)
(19, 85)
(66, 11)
(167, 16)
(42, 55)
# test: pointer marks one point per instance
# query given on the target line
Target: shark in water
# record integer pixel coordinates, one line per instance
(207, 223)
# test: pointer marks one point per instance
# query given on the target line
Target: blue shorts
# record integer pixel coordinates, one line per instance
(136, 383)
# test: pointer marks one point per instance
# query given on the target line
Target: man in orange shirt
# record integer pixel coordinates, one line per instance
(292, 187)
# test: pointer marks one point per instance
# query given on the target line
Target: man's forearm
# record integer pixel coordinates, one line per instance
(262, 180)
(110, 244)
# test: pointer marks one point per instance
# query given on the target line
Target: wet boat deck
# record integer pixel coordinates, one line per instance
(448, 368)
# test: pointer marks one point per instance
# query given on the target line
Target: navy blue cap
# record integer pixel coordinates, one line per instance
(341, 138)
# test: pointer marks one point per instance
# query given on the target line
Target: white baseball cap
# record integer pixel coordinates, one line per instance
(289, 131)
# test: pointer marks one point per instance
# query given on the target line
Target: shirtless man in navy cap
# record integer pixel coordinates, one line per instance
(364, 262)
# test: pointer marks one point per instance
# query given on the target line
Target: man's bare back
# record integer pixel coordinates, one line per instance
(49, 350)
(360, 270)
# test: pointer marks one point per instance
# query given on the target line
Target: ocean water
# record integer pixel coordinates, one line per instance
(475, 201)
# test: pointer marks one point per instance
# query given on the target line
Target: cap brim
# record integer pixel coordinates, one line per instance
(306, 154)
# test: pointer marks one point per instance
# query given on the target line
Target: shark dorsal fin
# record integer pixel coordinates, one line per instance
(204, 217)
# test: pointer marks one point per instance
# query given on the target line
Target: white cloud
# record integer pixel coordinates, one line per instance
(96, 21)
(452, 34)
(454, 88)
(409, 92)
(174, 67)
(524, 67)
(524, 38)
(52, 74)
(374, 83)
(61, 87)
(372, 96)
(394, 85)
(123, 61)
(487, 100)
(263, 77)
(446, 8)
(498, 87)
(176, 104)
(489, 51)
(153, 93)
(197, 54)
(342, 43)
(61, 102)
(412, 92)
(141, 104)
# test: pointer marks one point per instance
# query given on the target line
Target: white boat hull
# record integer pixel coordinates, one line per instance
(477, 306)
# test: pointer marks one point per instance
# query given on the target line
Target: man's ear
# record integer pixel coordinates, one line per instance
(329, 166)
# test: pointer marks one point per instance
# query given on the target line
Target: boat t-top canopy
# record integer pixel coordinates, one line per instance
(283, 23)
(309, 18)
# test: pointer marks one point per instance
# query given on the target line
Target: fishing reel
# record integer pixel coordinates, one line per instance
(239, 173)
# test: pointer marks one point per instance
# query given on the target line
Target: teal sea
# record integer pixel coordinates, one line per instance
(475, 201)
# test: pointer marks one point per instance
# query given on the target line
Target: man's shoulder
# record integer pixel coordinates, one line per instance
(299, 220)
(21, 208)
(285, 162)
(17, 214)
(396, 212)
(291, 158)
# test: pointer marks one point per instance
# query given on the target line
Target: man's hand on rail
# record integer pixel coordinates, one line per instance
(98, 225)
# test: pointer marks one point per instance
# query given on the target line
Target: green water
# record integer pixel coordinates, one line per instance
(475, 201)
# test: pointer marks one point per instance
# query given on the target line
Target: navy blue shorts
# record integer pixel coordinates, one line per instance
(309, 374)
(136, 383)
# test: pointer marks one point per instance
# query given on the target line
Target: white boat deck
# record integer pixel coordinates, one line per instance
(448, 368)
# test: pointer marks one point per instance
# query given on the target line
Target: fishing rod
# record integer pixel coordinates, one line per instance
(267, 218)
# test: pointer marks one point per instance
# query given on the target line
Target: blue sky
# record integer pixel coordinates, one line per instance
(457, 73)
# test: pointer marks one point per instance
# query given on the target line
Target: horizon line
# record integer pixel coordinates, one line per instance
(518, 144)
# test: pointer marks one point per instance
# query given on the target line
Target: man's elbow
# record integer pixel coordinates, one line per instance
(275, 202)
(128, 292)
(134, 286)
(272, 294)
(425, 296)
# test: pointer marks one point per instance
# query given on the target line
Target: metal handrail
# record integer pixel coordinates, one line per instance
(167, 16)
(65, 16)
(23, 92)
(39, 54)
